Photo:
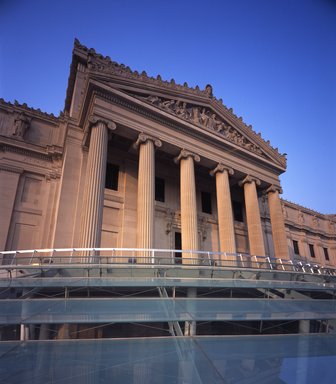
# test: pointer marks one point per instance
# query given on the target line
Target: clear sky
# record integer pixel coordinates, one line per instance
(272, 61)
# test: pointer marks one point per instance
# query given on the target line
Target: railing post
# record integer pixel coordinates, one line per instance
(32, 256)
(269, 262)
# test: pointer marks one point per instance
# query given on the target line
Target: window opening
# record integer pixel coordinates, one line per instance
(159, 189)
(206, 202)
(112, 176)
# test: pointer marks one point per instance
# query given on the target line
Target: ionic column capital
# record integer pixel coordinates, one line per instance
(184, 154)
(273, 188)
(94, 119)
(249, 179)
(143, 138)
(221, 168)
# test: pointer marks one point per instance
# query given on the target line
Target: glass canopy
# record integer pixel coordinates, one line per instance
(219, 359)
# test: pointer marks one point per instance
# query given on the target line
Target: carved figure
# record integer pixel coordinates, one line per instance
(220, 127)
(300, 217)
(196, 115)
(208, 90)
(315, 221)
(21, 126)
(169, 104)
(212, 121)
(182, 111)
(204, 118)
(154, 100)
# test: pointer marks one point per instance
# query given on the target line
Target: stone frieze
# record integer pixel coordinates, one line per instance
(204, 118)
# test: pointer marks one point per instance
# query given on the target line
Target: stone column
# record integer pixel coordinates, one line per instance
(189, 231)
(255, 233)
(224, 209)
(277, 223)
(146, 192)
(93, 203)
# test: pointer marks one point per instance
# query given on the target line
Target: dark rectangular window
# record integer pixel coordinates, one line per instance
(296, 247)
(206, 202)
(237, 211)
(112, 176)
(178, 246)
(311, 249)
(326, 253)
(159, 189)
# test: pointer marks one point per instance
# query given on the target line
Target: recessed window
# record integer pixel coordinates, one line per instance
(311, 249)
(206, 202)
(178, 246)
(159, 189)
(296, 247)
(112, 176)
(237, 211)
(326, 253)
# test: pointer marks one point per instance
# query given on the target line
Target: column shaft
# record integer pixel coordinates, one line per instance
(278, 225)
(94, 187)
(188, 208)
(224, 209)
(146, 189)
(255, 233)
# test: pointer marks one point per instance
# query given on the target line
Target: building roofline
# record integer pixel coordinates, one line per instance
(97, 62)
(25, 108)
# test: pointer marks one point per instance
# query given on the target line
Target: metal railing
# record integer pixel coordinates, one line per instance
(92, 257)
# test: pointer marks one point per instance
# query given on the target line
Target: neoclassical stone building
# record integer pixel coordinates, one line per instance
(139, 162)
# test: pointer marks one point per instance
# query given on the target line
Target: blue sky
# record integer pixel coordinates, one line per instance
(272, 61)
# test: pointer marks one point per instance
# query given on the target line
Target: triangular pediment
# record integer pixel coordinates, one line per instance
(191, 105)
(209, 118)
(205, 118)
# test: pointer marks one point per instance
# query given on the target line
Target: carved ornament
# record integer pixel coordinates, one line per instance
(184, 154)
(143, 138)
(249, 179)
(221, 168)
(21, 125)
(315, 221)
(273, 188)
(301, 219)
(111, 125)
(203, 227)
(205, 118)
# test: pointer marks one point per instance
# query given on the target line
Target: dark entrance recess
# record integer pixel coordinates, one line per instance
(178, 246)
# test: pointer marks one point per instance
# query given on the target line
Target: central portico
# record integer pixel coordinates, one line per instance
(182, 164)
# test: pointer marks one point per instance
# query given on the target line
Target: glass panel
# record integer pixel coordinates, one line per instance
(161, 309)
(308, 359)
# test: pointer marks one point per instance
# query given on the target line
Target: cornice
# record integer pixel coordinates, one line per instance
(32, 111)
(28, 152)
(309, 230)
(11, 169)
(97, 63)
(156, 115)
(309, 211)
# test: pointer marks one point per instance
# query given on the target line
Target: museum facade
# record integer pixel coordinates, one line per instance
(139, 162)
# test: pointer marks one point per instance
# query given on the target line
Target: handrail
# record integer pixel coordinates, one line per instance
(101, 256)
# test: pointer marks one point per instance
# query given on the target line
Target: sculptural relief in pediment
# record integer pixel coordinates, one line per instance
(204, 118)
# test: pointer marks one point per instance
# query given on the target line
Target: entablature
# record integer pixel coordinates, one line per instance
(134, 115)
